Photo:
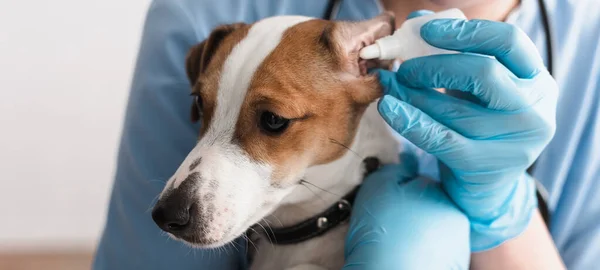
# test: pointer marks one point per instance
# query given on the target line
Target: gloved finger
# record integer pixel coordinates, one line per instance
(409, 164)
(464, 117)
(380, 185)
(392, 173)
(421, 129)
(388, 81)
(418, 13)
(481, 76)
(509, 44)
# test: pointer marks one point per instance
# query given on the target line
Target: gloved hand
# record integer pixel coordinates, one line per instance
(486, 147)
(402, 222)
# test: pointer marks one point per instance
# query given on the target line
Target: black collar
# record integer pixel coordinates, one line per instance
(321, 223)
(314, 226)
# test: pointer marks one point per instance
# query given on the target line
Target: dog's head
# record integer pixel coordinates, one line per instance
(271, 97)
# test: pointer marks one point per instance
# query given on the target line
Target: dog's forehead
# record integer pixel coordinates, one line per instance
(239, 69)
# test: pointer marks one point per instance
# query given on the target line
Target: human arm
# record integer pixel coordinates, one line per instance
(533, 249)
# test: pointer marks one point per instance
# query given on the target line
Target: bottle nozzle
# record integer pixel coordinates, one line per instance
(370, 52)
(406, 42)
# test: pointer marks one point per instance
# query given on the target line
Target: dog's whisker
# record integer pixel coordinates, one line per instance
(274, 216)
(347, 148)
(320, 188)
(247, 245)
(234, 245)
(236, 248)
(269, 226)
(250, 241)
(163, 234)
(225, 249)
(158, 180)
(266, 234)
(254, 231)
(314, 193)
(266, 220)
(189, 251)
(233, 248)
(152, 203)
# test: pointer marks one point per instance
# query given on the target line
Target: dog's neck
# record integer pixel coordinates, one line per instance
(326, 184)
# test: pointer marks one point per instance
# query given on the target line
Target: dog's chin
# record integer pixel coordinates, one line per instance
(194, 242)
(197, 240)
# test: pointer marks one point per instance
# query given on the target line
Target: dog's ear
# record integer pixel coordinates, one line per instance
(200, 55)
(345, 40)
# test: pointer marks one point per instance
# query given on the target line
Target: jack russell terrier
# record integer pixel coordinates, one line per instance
(288, 117)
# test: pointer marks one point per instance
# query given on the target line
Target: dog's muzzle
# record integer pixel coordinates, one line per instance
(180, 213)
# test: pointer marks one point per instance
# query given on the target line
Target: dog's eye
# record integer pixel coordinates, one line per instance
(197, 107)
(273, 124)
(198, 101)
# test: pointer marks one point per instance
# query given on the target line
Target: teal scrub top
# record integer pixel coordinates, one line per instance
(157, 134)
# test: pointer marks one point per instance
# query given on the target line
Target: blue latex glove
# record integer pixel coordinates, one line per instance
(399, 222)
(485, 148)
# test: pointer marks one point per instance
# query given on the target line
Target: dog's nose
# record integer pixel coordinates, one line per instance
(174, 212)
(172, 219)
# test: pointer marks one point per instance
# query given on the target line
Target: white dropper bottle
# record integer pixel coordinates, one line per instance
(406, 42)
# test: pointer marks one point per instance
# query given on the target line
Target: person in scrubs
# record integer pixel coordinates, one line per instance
(483, 207)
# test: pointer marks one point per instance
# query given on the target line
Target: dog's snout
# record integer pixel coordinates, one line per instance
(195, 211)
(174, 219)
(174, 212)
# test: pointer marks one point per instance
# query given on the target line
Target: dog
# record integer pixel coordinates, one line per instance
(288, 113)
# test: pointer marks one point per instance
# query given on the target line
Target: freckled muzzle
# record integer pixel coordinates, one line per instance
(187, 215)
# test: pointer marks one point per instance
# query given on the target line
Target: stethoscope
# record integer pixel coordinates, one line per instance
(333, 9)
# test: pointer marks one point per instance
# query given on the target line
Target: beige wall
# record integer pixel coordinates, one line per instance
(65, 69)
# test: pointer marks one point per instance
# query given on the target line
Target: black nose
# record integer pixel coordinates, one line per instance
(172, 219)
(175, 212)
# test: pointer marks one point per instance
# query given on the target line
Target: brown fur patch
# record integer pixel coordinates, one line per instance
(312, 76)
(304, 79)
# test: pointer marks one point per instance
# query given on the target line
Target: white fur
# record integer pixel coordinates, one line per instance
(244, 185)
(244, 194)
(374, 139)
(238, 69)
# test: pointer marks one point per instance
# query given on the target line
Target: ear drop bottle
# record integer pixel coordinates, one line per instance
(406, 42)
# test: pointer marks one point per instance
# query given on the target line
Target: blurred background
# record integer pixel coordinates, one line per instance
(65, 70)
